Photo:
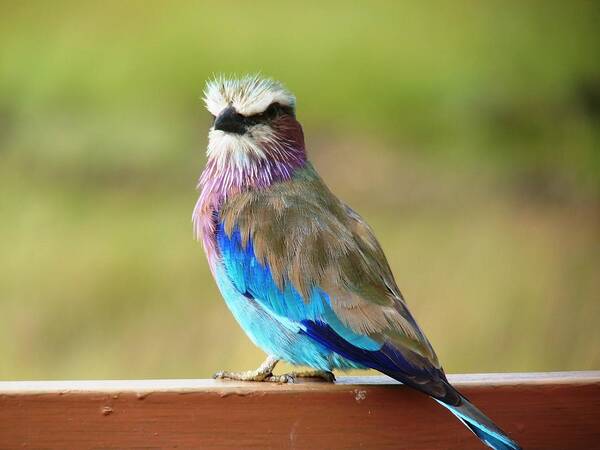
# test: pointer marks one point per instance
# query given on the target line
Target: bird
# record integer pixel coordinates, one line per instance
(302, 272)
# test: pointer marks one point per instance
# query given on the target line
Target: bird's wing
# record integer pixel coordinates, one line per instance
(310, 259)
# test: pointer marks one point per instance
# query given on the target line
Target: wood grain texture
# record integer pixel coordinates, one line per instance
(541, 411)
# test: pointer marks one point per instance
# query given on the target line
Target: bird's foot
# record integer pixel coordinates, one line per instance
(292, 377)
(263, 373)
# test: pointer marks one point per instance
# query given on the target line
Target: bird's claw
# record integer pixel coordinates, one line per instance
(327, 376)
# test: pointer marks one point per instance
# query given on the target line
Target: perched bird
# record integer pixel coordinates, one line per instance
(303, 273)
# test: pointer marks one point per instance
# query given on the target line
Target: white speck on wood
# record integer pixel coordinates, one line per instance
(360, 395)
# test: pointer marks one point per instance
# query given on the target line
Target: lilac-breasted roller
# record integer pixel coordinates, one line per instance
(303, 273)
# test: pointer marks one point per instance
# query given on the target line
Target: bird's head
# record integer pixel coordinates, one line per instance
(254, 123)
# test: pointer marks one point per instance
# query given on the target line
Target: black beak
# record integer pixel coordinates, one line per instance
(230, 121)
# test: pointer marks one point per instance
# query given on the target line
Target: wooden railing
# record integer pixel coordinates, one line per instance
(541, 411)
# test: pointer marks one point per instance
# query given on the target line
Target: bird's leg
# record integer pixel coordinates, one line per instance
(263, 373)
(291, 377)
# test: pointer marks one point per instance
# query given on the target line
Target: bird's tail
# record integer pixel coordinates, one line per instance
(481, 425)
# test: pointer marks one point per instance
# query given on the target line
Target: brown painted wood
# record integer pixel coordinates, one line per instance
(541, 411)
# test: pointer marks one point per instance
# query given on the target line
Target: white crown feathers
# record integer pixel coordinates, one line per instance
(249, 95)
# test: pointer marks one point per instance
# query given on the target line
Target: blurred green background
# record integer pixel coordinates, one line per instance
(467, 133)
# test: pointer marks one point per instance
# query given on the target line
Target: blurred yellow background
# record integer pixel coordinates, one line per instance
(466, 133)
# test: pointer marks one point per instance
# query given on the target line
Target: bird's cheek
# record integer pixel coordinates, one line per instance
(261, 132)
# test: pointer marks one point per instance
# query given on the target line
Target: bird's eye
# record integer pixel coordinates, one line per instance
(270, 113)
(272, 110)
